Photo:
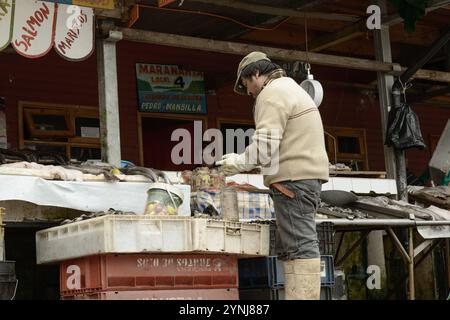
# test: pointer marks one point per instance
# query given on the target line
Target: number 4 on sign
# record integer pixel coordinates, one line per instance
(179, 82)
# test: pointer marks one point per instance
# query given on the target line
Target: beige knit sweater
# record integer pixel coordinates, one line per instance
(289, 139)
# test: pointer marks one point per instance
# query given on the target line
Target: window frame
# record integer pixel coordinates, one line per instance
(27, 108)
(359, 133)
(38, 133)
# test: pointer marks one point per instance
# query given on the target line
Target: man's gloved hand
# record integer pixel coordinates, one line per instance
(233, 163)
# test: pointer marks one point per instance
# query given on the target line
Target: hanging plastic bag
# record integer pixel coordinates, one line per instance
(403, 130)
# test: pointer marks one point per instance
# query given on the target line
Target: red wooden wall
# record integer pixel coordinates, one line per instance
(53, 80)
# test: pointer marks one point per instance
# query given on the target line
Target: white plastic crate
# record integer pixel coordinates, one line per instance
(114, 234)
(153, 234)
(230, 237)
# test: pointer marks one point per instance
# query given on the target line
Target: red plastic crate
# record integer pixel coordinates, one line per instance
(191, 294)
(147, 272)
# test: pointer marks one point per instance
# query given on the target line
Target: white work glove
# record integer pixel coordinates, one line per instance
(233, 163)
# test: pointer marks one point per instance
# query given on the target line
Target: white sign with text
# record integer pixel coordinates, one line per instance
(74, 36)
(6, 19)
(34, 25)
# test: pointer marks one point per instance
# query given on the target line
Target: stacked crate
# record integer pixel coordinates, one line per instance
(150, 277)
(325, 233)
(263, 278)
(150, 257)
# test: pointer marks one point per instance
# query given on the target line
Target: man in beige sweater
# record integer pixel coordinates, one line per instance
(289, 146)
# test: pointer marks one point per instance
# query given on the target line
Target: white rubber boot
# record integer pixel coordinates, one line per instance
(302, 279)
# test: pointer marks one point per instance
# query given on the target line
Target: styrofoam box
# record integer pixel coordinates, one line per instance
(230, 237)
(114, 234)
(153, 234)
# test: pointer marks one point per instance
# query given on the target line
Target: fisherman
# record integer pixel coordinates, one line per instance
(288, 121)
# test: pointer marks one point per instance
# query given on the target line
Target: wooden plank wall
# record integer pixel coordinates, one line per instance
(53, 80)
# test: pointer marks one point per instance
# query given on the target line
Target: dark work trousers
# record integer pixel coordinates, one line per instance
(296, 236)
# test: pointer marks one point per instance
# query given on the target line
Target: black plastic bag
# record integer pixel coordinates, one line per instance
(403, 130)
(411, 11)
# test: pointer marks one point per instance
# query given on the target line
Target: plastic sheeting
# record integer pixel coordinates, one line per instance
(84, 196)
(436, 232)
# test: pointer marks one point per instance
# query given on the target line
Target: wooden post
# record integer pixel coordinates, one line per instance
(447, 259)
(109, 98)
(399, 246)
(385, 81)
(2, 236)
(412, 293)
(352, 248)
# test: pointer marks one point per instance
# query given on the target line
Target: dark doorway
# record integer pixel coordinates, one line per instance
(35, 282)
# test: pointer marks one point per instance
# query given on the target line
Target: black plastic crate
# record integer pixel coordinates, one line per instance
(268, 272)
(261, 294)
(264, 272)
(7, 271)
(272, 234)
(326, 293)
(326, 270)
(339, 290)
(277, 294)
(325, 233)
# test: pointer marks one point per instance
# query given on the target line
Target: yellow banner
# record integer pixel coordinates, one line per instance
(102, 4)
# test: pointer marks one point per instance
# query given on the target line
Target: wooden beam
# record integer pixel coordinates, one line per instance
(447, 56)
(298, 24)
(411, 286)
(434, 104)
(275, 53)
(303, 4)
(423, 35)
(116, 13)
(399, 246)
(349, 85)
(432, 5)
(425, 244)
(331, 39)
(338, 249)
(430, 94)
(418, 262)
(360, 27)
(352, 248)
(108, 13)
(277, 11)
